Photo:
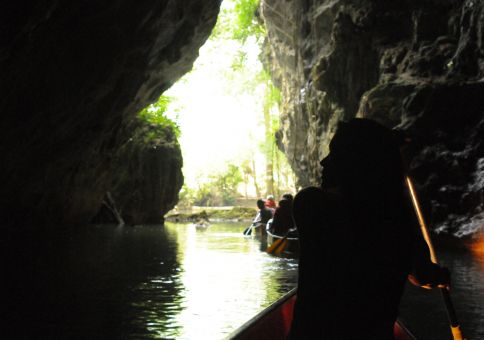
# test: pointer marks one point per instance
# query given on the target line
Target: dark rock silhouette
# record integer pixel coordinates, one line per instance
(413, 64)
(74, 75)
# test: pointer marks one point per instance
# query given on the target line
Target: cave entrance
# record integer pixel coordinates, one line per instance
(225, 112)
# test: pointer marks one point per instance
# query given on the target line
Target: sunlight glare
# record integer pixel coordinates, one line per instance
(218, 120)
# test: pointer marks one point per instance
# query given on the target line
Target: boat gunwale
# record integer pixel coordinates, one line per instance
(279, 237)
(239, 332)
(262, 314)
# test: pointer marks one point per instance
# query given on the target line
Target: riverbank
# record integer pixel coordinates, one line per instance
(213, 214)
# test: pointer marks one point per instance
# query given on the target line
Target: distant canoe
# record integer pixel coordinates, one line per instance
(202, 224)
(274, 323)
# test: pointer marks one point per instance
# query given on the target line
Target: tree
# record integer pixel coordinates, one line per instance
(220, 189)
(227, 184)
(246, 174)
(239, 21)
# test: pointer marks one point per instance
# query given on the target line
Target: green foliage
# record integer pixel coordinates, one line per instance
(205, 195)
(186, 197)
(234, 213)
(273, 94)
(220, 189)
(227, 183)
(247, 23)
(155, 114)
(239, 63)
(238, 20)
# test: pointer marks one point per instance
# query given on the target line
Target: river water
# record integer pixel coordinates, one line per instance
(423, 310)
(179, 282)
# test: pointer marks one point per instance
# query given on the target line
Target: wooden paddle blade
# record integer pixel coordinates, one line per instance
(276, 244)
(248, 231)
(282, 246)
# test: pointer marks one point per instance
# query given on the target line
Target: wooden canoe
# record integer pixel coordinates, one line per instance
(274, 322)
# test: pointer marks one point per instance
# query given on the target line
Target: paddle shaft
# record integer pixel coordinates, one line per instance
(248, 230)
(449, 306)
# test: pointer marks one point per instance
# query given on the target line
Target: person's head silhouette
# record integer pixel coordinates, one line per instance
(288, 196)
(260, 204)
(364, 163)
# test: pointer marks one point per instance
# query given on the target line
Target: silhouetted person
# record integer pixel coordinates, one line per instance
(282, 220)
(359, 239)
(288, 196)
(265, 214)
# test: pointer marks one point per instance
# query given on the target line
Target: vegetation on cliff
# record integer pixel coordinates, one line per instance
(155, 116)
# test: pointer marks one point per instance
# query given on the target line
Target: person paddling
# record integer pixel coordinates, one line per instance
(265, 214)
(282, 220)
(359, 240)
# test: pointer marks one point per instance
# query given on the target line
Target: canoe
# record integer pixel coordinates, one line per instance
(274, 322)
(202, 224)
(293, 241)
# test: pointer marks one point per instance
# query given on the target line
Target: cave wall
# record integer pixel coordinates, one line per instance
(416, 65)
(74, 75)
(147, 173)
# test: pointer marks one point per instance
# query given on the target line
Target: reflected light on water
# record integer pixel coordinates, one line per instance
(477, 247)
(223, 280)
(208, 291)
(176, 282)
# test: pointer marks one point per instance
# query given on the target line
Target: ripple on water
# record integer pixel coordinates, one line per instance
(219, 279)
(424, 312)
(173, 282)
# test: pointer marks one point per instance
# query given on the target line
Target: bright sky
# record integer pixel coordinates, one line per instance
(218, 122)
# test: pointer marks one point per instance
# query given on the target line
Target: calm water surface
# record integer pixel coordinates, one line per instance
(424, 312)
(148, 282)
(178, 282)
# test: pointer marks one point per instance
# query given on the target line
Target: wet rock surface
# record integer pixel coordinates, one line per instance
(74, 75)
(416, 65)
(146, 175)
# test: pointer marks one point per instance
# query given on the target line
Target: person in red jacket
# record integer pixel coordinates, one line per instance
(270, 202)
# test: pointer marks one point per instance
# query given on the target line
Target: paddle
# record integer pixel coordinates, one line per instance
(454, 322)
(248, 230)
(282, 247)
(278, 245)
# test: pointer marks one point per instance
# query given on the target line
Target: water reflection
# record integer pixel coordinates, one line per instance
(144, 282)
(177, 282)
(424, 311)
(227, 279)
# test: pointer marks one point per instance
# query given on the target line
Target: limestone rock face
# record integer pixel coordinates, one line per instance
(73, 75)
(147, 174)
(413, 64)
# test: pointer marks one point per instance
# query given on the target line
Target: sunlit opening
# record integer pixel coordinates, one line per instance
(226, 113)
